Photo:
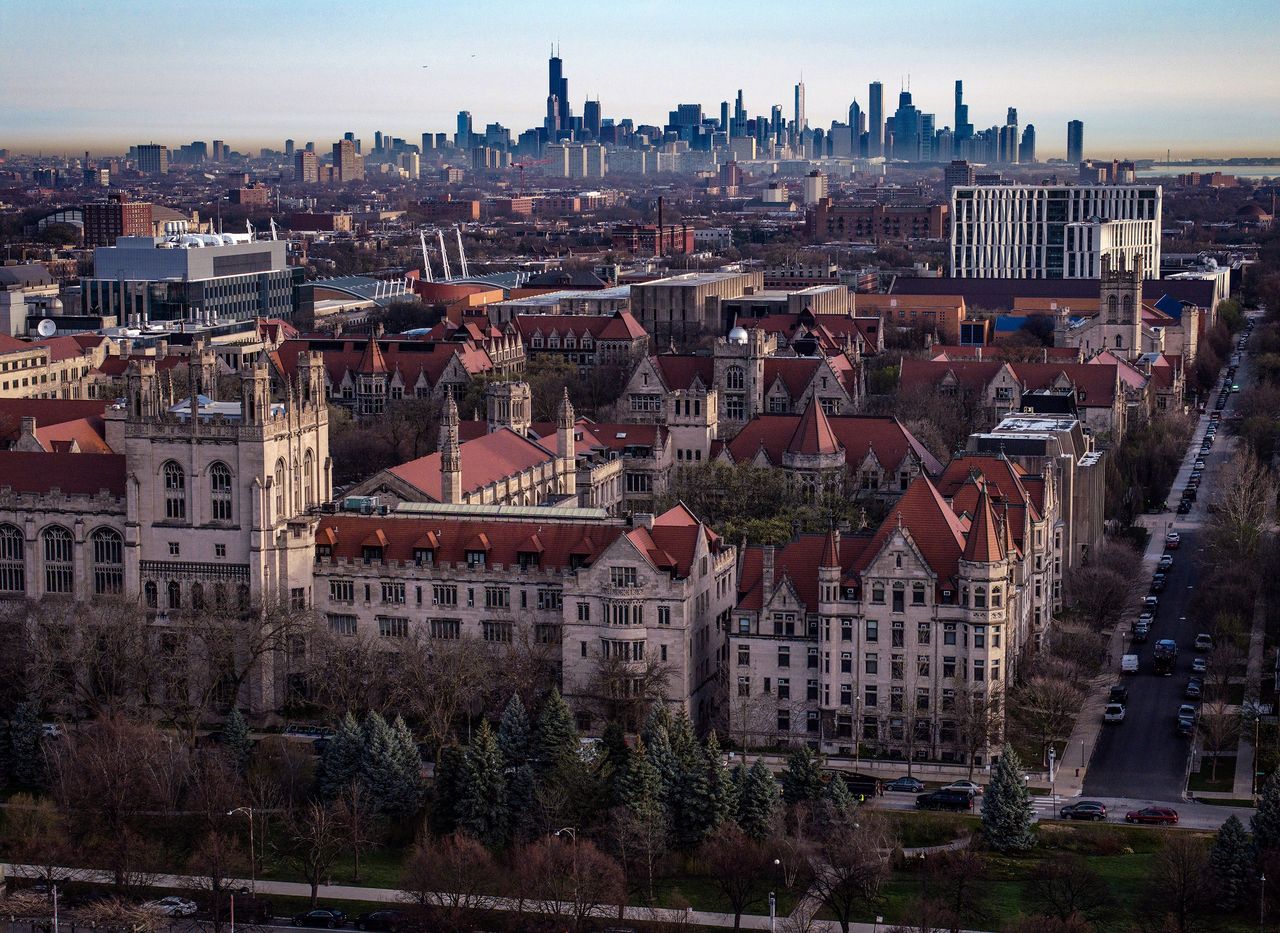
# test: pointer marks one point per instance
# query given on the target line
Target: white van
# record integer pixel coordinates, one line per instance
(1129, 664)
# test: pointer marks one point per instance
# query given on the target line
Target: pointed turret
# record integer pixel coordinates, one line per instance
(831, 551)
(813, 435)
(566, 449)
(372, 362)
(450, 453)
(983, 543)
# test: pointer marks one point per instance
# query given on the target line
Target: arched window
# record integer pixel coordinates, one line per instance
(58, 576)
(1126, 304)
(279, 482)
(242, 596)
(175, 595)
(979, 597)
(108, 562)
(1119, 341)
(735, 378)
(995, 597)
(13, 566)
(220, 492)
(151, 594)
(219, 596)
(175, 492)
(308, 479)
(1111, 308)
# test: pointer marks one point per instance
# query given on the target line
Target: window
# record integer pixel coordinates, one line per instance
(279, 487)
(922, 698)
(175, 492)
(219, 550)
(220, 492)
(846, 694)
(917, 594)
(784, 687)
(877, 593)
(948, 633)
(392, 591)
(446, 629)
(995, 597)
(995, 668)
(811, 691)
(342, 591)
(979, 636)
(664, 615)
(899, 635)
(622, 576)
(150, 594)
(979, 597)
(995, 636)
(922, 665)
(497, 597)
(444, 594)
(846, 662)
(584, 612)
(979, 670)
(784, 656)
(744, 686)
(896, 666)
(497, 632)
(393, 627)
(57, 560)
(475, 560)
(948, 700)
(548, 598)
(949, 667)
(895, 699)
(13, 573)
(175, 595)
(899, 598)
(744, 655)
(813, 658)
(735, 378)
(871, 695)
(871, 664)
(108, 562)
(342, 624)
(308, 480)
(873, 630)
(846, 629)
(924, 633)
(175, 548)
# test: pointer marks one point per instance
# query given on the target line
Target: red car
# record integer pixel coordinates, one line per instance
(1152, 815)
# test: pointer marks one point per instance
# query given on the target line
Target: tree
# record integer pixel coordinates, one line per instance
(514, 740)
(312, 842)
(214, 864)
(1231, 860)
(483, 802)
(571, 878)
(451, 881)
(849, 862)
(1043, 709)
(739, 867)
(557, 737)
(24, 745)
(1265, 823)
(956, 888)
(1246, 501)
(1219, 732)
(837, 798)
(513, 733)
(979, 718)
(623, 693)
(340, 762)
(389, 766)
(36, 831)
(802, 777)
(757, 799)
(1103, 591)
(447, 790)
(1006, 806)
(358, 818)
(1176, 890)
(1067, 886)
(236, 738)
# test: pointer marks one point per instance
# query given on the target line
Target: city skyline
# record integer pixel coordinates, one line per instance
(293, 77)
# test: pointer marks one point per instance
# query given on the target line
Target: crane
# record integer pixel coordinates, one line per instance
(528, 163)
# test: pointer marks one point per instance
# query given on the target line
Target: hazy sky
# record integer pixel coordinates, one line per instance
(1144, 75)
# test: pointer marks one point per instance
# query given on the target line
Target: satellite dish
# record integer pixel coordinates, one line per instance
(46, 328)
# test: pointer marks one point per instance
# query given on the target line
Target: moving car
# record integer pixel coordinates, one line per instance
(327, 917)
(968, 787)
(907, 784)
(1204, 642)
(1094, 810)
(1153, 815)
(381, 921)
(945, 800)
(1172, 540)
(1113, 712)
(173, 906)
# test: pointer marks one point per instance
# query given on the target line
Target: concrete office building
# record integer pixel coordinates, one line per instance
(1052, 231)
(153, 159)
(683, 307)
(190, 278)
(306, 168)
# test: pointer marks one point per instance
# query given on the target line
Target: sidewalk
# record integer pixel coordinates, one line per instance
(1244, 778)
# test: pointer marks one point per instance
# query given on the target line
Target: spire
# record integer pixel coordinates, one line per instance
(450, 453)
(983, 543)
(813, 434)
(565, 412)
(372, 361)
(831, 552)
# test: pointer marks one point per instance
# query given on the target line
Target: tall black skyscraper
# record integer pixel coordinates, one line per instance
(591, 118)
(963, 128)
(875, 120)
(1075, 142)
(558, 86)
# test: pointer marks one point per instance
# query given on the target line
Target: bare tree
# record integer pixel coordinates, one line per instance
(358, 814)
(1219, 730)
(1225, 662)
(451, 881)
(122, 915)
(641, 835)
(37, 834)
(1043, 709)
(572, 878)
(1176, 890)
(351, 673)
(313, 840)
(850, 863)
(739, 867)
(956, 881)
(624, 691)
(979, 718)
(1104, 591)
(1246, 505)
(1067, 886)
(212, 868)
(443, 680)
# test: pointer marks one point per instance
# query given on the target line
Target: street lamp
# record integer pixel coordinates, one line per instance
(572, 833)
(1262, 904)
(248, 811)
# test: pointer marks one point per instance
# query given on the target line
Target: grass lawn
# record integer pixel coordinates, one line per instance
(1203, 779)
(916, 830)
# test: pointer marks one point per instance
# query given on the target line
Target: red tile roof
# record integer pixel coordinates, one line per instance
(679, 370)
(1095, 385)
(983, 543)
(411, 358)
(48, 412)
(371, 361)
(620, 325)
(936, 530)
(884, 436)
(486, 459)
(813, 434)
(73, 474)
(797, 561)
(1000, 352)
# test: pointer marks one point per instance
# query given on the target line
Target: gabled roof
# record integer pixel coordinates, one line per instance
(673, 541)
(999, 352)
(797, 562)
(620, 325)
(74, 474)
(678, 370)
(486, 459)
(937, 531)
(410, 358)
(884, 436)
(49, 413)
(371, 361)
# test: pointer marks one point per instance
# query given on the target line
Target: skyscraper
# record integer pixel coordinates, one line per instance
(345, 161)
(462, 138)
(906, 129)
(801, 121)
(1075, 142)
(591, 118)
(558, 85)
(1027, 148)
(153, 159)
(875, 120)
(963, 128)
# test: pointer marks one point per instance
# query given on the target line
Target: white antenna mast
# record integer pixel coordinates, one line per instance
(444, 257)
(462, 255)
(272, 222)
(426, 262)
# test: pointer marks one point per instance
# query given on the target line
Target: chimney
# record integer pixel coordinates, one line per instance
(27, 436)
(642, 519)
(766, 578)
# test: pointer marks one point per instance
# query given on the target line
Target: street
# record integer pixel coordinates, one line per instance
(1145, 754)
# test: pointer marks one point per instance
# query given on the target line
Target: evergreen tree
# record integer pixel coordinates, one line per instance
(446, 790)
(24, 745)
(522, 798)
(689, 803)
(407, 796)
(340, 762)
(757, 799)
(1231, 861)
(838, 797)
(613, 742)
(482, 805)
(235, 736)
(683, 741)
(557, 737)
(1265, 824)
(802, 777)
(658, 746)
(513, 733)
(640, 784)
(722, 792)
(1006, 806)
(387, 767)
(659, 718)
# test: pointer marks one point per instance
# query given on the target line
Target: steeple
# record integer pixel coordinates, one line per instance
(566, 449)
(450, 454)
(983, 543)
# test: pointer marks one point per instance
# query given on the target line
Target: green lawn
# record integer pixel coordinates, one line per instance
(916, 830)
(1203, 780)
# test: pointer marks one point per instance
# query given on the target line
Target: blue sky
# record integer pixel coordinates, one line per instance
(1144, 75)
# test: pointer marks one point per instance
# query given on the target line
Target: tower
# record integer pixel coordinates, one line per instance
(255, 393)
(1120, 302)
(1075, 142)
(508, 405)
(875, 120)
(143, 390)
(566, 451)
(311, 389)
(450, 454)
(202, 370)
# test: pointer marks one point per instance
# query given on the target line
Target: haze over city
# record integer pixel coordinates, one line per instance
(1146, 77)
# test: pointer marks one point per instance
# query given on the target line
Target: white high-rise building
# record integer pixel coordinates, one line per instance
(1052, 231)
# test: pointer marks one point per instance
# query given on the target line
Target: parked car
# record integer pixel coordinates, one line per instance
(1199, 665)
(1152, 815)
(1094, 810)
(1166, 562)
(906, 784)
(1184, 507)
(1119, 694)
(1129, 664)
(173, 906)
(861, 785)
(1191, 493)
(1150, 602)
(381, 921)
(1195, 689)
(1204, 642)
(1172, 540)
(1146, 618)
(1158, 582)
(327, 917)
(1113, 712)
(50, 730)
(1199, 464)
(945, 800)
(968, 787)
(1141, 633)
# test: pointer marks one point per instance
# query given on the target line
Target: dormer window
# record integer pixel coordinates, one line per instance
(529, 560)
(476, 560)
(424, 556)
(324, 551)
(371, 553)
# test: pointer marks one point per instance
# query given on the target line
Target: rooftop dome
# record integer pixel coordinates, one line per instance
(738, 335)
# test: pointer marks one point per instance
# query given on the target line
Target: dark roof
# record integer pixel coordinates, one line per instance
(73, 474)
(27, 275)
(566, 278)
(999, 294)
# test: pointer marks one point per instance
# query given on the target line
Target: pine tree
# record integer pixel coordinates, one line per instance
(446, 790)
(340, 763)
(483, 802)
(522, 798)
(802, 777)
(513, 733)
(640, 784)
(384, 767)
(407, 794)
(613, 743)
(757, 799)
(1265, 824)
(659, 718)
(1006, 806)
(235, 736)
(689, 803)
(24, 745)
(557, 737)
(658, 746)
(838, 797)
(722, 792)
(1231, 861)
